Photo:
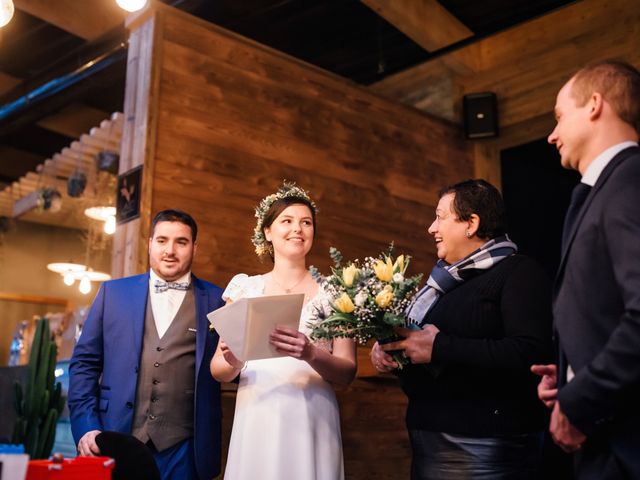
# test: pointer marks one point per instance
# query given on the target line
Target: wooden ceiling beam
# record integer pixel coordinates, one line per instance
(426, 22)
(431, 26)
(86, 19)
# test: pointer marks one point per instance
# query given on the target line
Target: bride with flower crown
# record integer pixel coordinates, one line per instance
(286, 423)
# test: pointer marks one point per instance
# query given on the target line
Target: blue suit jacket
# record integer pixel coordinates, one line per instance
(597, 315)
(103, 369)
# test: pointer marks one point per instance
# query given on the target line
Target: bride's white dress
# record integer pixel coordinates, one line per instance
(286, 423)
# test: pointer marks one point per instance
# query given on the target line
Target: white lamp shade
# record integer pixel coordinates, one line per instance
(64, 267)
(100, 213)
(6, 12)
(131, 5)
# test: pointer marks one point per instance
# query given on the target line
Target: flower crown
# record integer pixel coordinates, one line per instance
(288, 189)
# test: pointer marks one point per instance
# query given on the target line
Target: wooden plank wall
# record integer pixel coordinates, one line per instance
(229, 119)
(525, 66)
(234, 118)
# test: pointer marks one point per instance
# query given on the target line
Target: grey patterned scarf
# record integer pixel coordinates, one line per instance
(446, 277)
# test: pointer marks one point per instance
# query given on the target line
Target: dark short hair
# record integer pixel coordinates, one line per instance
(617, 82)
(480, 197)
(175, 216)
(280, 206)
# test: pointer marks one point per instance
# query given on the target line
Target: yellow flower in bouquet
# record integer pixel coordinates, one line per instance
(344, 304)
(398, 266)
(384, 298)
(366, 299)
(349, 275)
(384, 270)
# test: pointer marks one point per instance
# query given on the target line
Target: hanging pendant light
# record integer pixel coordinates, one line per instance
(68, 278)
(104, 214)
(85, 285)
(74, 271)
(6, 12)
(110, 225)
(131, 5)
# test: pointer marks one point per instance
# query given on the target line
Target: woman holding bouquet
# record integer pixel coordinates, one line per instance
(485, 318)
(286, 423)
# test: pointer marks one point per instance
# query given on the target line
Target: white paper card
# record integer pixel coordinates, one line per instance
(245, 324)
(13, 466)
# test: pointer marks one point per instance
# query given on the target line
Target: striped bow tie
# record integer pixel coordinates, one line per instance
(161, 286)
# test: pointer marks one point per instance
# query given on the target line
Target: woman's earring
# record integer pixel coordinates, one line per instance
(468, 234)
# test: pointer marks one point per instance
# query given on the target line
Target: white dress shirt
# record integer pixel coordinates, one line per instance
(165, 305)
(594, 170)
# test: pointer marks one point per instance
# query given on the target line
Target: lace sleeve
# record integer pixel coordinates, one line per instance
(236, 288)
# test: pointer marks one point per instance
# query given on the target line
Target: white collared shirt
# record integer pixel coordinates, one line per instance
(594, 170)
(165, 305)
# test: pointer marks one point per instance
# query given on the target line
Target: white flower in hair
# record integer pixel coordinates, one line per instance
(288, 189)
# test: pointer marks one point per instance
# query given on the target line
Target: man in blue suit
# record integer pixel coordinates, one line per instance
(594, 390)
(141, 365)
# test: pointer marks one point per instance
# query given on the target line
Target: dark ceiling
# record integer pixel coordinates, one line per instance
(342, 36)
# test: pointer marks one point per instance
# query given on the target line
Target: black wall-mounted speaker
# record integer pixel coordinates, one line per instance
(480, 115)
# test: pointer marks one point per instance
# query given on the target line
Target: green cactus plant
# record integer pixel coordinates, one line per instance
(39, 404)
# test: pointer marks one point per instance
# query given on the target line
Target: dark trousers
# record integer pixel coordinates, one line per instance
(596, 461)
(177, 462)
(439, 455)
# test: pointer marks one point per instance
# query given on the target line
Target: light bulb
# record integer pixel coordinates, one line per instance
(131, 5)
(110, 225)
(85, 285)
(68, 278)
(6, 12)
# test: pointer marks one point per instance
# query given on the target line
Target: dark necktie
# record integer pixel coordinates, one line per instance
(161, 286)
(578, 196)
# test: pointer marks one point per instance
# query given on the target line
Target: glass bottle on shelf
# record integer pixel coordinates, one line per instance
(17, 344)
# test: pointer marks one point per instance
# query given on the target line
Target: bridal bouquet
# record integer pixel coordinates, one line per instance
(366, 299)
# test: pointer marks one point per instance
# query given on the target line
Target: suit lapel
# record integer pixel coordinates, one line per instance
(139, 294)
(201, 297)
(602, 179)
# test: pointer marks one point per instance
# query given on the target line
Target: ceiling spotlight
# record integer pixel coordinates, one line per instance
(6, 12)
(131, 5)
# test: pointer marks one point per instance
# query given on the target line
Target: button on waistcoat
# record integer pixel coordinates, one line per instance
(166, 379)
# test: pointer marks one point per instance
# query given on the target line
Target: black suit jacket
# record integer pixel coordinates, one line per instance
(597, 314)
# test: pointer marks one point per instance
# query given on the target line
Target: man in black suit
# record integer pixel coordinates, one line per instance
(594, 390)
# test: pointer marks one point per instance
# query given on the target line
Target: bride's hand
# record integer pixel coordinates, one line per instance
(382, 361)
(291, 342)
(229, 356)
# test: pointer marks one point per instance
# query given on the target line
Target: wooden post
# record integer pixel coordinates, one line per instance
(138, 136)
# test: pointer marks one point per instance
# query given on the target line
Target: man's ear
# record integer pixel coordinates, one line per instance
(596, 104)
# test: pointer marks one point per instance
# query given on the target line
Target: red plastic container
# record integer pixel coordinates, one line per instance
(79, 468)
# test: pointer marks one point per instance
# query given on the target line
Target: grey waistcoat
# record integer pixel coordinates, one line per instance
(166, 379)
